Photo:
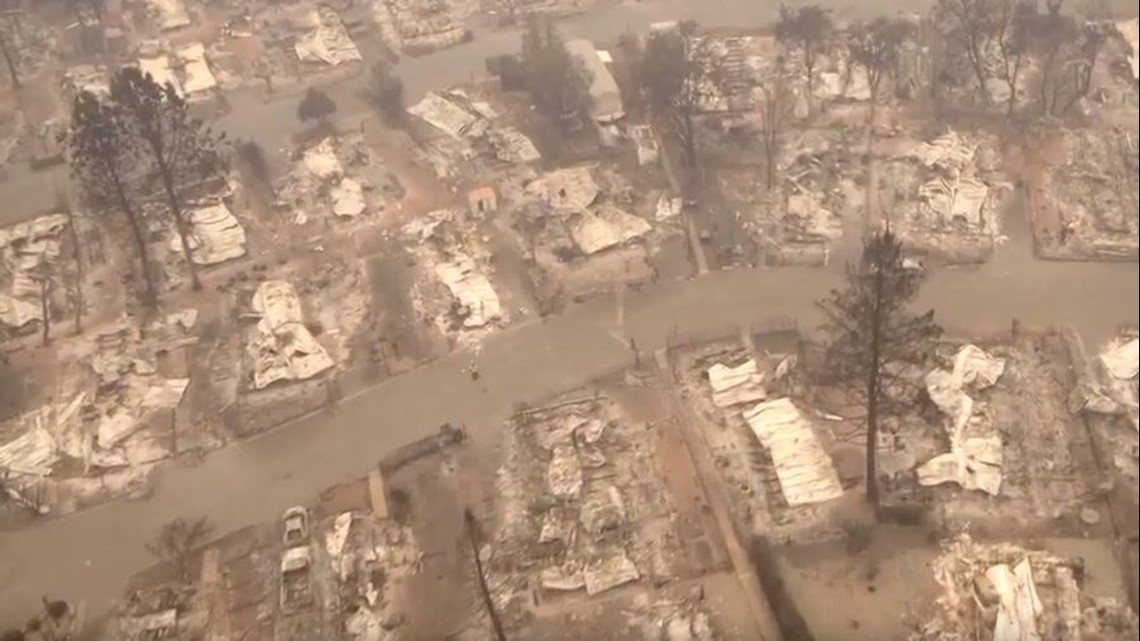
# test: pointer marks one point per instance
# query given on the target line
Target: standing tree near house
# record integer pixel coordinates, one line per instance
(556, 80)
(807, 30)
(63, 203)
(776, 108)
(182, 153)
(104, 159)
(316, 105)
(675, 75)
(875, 48)
(872, 330)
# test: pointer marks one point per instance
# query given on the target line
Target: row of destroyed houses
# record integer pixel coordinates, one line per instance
(585, 519)
(121, 411)
(946, 186)
(1003, 451)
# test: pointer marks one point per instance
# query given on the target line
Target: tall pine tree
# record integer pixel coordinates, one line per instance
(870, 327)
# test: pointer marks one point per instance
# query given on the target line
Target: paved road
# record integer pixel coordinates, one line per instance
(90, 555)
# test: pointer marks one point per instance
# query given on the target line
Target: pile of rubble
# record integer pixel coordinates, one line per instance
(945, 196)
(186, 67)
(26, 251)
(576, 489)
(1002, 592)
(585, 235)
(819, 186)
(453, 287)
(421, 26)
(109, 432)
(368, 559)
(321, 184)
(327, 41)
(470, 129)
(975, 458)
(1087, 207)
(1107, 394)
(281, 347)
(802, 468)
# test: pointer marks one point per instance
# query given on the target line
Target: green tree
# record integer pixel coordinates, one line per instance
(870, 327)
(316, 105)
(675, 74)
(807, 29)
(182, 152)
(557, 81)
(104, 158)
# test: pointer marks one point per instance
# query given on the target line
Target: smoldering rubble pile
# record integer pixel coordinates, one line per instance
(948, 192)
(453, 287)
(107, 425)
(577, 490)
(1094, 195)
(1003, 592)
(321, 184)
(471, 130)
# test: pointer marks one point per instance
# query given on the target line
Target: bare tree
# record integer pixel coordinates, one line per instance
(182, 151)
(973, 26)
(104, 155)
(1070, 56)
(675, 74)
(875, 48)
(178, 542)
(870, 328)
(1014, 20)
(807, 29)
(777, 106)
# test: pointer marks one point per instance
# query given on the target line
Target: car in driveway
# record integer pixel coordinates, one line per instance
(296, 530)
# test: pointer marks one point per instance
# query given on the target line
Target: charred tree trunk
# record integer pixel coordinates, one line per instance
(11, 64)
(180, 222)
(151, 294)
(77, 257)
(873, 390)
(45, 306)
(471, 525)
